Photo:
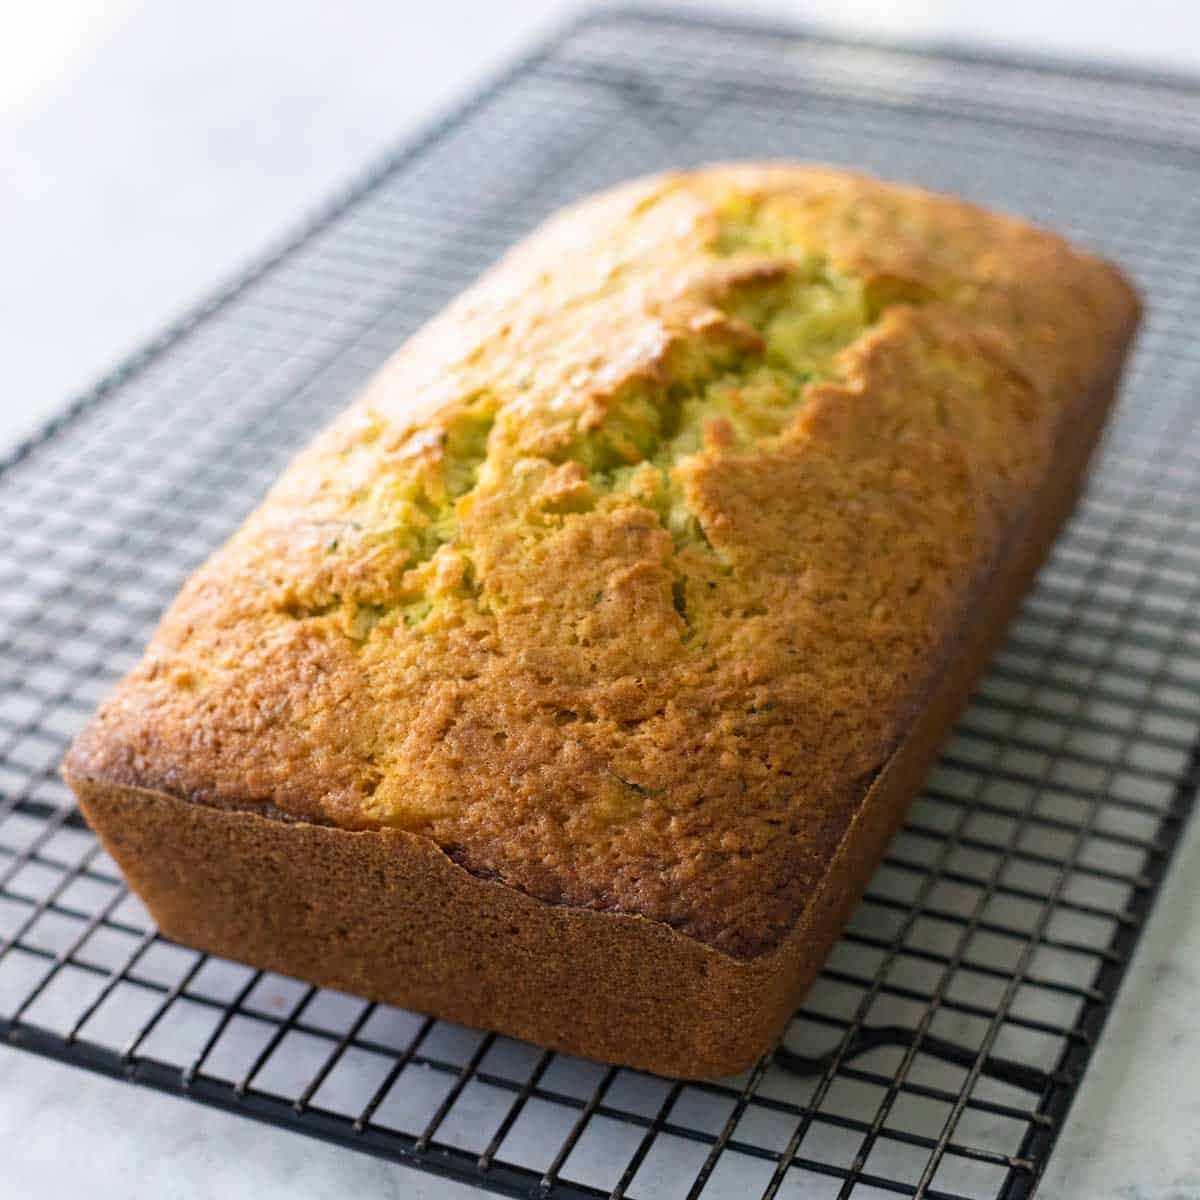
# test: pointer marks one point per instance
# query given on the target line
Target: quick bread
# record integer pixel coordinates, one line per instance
(571, 683)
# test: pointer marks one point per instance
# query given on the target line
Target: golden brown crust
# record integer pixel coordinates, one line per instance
(628, 573)
(386, 914)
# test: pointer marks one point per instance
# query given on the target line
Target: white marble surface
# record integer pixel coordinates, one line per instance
(68, 1134)
(1134, 1131)
(147, 150)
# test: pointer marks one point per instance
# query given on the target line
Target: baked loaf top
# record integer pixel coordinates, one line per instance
(627, 573)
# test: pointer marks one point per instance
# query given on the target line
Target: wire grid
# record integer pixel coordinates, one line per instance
(939, 1051)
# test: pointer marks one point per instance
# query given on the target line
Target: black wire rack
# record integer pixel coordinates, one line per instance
(939, 1051)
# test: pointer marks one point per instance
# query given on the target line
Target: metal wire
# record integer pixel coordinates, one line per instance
(939, 1051)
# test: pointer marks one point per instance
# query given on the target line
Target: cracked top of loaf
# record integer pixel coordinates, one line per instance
(628, 572)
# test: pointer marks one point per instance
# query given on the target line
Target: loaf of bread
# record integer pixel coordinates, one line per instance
(572, 682)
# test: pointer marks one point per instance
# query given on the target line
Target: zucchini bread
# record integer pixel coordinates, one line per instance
(572, 682)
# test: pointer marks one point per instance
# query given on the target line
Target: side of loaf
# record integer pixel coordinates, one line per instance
(571, 683)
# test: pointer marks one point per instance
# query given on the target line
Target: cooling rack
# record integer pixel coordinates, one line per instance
(939, 1051)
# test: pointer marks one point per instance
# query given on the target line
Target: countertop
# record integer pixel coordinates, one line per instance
(155, 147)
